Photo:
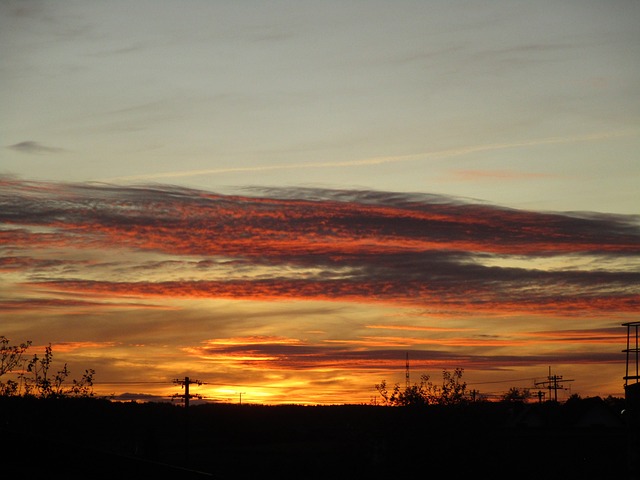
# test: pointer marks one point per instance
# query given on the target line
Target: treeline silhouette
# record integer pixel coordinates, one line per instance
(99, 438)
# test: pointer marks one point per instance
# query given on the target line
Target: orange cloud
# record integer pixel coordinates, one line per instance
(83, 250)
(471, 298)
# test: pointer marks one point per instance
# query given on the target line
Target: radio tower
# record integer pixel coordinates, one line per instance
(406, 373)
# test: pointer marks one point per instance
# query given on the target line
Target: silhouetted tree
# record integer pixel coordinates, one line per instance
(574, 396)
(10, 358)
(516, 394)
(43, 385)
(452, 391)
(411, 396)
(36, 377)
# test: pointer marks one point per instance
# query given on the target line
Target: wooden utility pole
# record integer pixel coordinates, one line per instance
(553, 384)
(186, 396)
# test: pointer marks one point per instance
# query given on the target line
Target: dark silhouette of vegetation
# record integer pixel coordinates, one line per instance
(10, 359)
(500, 440)
(516, 394)
(110, 439)
(452, 391)
(36, 379)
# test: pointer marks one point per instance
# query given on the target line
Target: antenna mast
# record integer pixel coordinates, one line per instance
(406, 373)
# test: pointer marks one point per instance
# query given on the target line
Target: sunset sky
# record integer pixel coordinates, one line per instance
(284, 199)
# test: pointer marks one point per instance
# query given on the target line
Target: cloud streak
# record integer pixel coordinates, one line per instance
(348, 245)
(431, 155)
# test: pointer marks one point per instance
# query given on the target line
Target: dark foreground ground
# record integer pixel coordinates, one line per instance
(99, 439)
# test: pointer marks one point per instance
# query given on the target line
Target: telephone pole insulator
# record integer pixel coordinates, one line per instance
(186, 395)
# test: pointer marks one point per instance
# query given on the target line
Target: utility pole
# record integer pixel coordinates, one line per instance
(186, 396)
(185, 384)
(552, 383)
(474, 393)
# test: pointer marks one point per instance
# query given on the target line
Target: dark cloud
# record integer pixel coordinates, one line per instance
(28, 304)
(30, 146)
(314, 356)
(8, 263)
(136, 397)
(346, 221)
(459, 297)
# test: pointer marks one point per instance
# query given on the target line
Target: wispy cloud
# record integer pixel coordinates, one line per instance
(475, 175)
(421, 156)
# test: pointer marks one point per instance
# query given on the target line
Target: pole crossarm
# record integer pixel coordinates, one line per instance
(185, 383)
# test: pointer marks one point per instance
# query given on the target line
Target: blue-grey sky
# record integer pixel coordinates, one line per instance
(530, 104)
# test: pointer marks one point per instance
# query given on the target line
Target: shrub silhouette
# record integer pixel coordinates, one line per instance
(452, 391)
(36, 378)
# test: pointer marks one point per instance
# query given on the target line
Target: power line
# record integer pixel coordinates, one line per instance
(505, 381)
(169, 382)
(142, 382)
(553, 382)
